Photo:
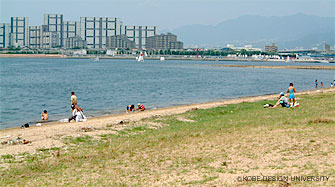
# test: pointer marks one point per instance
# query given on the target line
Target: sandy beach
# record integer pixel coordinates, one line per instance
(50, 135)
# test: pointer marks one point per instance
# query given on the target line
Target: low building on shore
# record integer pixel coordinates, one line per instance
(271, 48)
(164, 41)
(75, 42)
(119, 41)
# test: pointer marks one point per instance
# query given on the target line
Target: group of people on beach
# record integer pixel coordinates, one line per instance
(283, 101)
(131, 108)
(78, 113)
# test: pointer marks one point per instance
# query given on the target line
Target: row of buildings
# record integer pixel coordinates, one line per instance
(88, 32)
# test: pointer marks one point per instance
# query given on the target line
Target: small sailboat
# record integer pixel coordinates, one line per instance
(96, 59)
(162, 58)
(140, 58)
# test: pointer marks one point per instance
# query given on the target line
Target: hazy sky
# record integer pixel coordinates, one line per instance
(167, 14)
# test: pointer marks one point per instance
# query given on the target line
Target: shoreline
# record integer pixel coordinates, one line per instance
(49, 135)
(167, 57)
(277, 67)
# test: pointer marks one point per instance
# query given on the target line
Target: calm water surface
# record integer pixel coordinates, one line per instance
(29, 86)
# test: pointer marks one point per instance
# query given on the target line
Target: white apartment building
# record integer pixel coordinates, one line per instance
(95, 30)
(35, 33)
(139, 34)
(19, 31)
(70, 30)
(54, 23)
(4, 35)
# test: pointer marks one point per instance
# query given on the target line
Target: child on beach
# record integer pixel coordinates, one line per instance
(44, 115)
(316, 83)
(140, 107)
(130, 108)
(321, 84)
(291, 91)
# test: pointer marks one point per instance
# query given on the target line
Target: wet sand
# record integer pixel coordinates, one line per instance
(50, 135)
(278, 67)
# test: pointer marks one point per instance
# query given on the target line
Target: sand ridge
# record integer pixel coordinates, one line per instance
(50, 135)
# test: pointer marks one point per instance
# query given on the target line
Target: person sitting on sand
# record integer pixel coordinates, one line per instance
(77, 114)
(44, 115)
(283, 101)
(140, 107)
(130, 108)
(291, 91)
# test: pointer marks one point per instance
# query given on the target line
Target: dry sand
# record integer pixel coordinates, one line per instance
(50, 135)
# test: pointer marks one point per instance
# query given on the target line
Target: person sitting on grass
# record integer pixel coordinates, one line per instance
(44, 115)
(140, 107)
(283, 101)
(291, 91)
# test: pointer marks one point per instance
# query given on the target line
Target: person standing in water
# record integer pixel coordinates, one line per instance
(316, 83)
(321, 84)
(291, 91)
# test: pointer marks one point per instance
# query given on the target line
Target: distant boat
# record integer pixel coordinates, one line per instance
(96, 59)
(140, 58)
(162, 58)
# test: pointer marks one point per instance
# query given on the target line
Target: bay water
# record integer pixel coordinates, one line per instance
(29, 86)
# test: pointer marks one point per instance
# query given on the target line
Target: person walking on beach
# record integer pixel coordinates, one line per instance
(316, 83)
(291, 91)
(74, 100)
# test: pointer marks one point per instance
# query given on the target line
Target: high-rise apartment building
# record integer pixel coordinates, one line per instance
(4, 35)
(54, 23)
(19, 31)
(70, 29)
(139, 34)
(164, 41)
(35, 36)
(95, 30)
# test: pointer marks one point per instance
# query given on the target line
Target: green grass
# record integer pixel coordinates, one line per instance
(217, 146)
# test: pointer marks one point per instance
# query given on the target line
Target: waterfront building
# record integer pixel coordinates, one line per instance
(35, 36)
(119, 41)
(54, 23)
(19, 31)
(139, 34)
(4, 35)
(95, 30)
(164, 41)
(326, 48)
(70, 29)
(271, 48)
(74, 42)
(49, 40)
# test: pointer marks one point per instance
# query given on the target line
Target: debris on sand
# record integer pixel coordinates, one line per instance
(15, 141)
(87, 129)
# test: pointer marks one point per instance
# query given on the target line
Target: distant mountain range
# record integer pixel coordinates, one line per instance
(298, 30)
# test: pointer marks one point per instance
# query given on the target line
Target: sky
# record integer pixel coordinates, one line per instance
(166, 14)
